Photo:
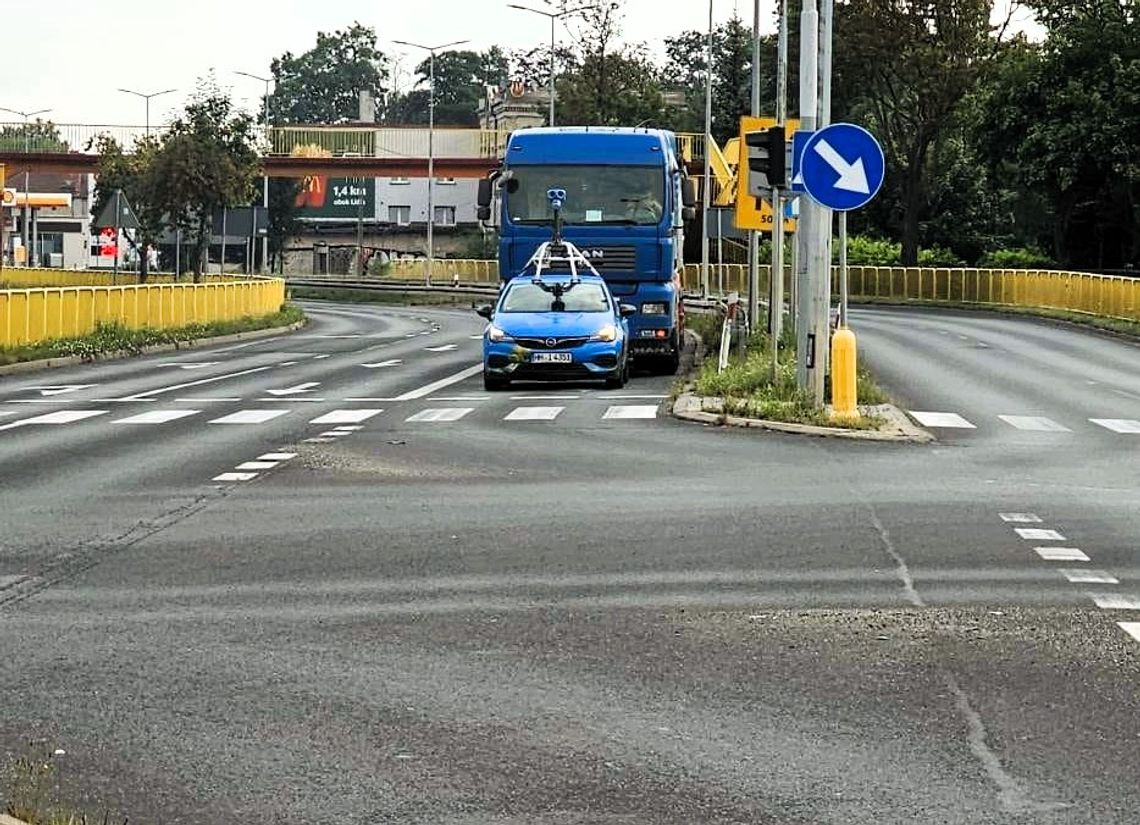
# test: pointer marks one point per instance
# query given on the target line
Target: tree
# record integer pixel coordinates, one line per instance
(133, 174)
(37, 136)
(323, 85)
(284, 224)
(206, 161)
(915, 60)
(460, 79)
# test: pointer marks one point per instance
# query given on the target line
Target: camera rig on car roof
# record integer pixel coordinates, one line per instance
(558, 250)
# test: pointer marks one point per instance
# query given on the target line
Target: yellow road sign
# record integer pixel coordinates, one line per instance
(749, 214)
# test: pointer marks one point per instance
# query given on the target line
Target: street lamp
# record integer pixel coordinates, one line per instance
(265, 178)
(27, 169)
(553, 15)
(431, 50)
(147, 98)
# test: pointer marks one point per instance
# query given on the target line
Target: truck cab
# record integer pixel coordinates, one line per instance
(627, 200)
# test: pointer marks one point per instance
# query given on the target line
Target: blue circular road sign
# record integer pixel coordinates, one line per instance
(842, 166)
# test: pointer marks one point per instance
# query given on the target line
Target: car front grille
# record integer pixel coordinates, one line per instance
(605, 258)
(551, 343)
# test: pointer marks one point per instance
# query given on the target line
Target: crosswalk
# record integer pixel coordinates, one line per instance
(1024, 423)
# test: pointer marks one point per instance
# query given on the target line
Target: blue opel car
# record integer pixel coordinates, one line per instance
(556, 329)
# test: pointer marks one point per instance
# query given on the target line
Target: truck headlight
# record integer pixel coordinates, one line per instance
(606, 333)
(496, 334)
(654, 308)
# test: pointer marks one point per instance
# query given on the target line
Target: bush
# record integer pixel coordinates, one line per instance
(1018, 258)
(864, 251)
(938, 256)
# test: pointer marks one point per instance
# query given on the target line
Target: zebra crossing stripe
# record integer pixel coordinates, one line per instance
(440, 414)
(345, 416)
(942, 419)
(1034, 423)
(1118, 425)
(156, 417)
(533, 414)
(630, 411)
(250, 417)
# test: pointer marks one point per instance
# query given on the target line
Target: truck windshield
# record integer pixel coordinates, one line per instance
(533, 298)
(631, 195)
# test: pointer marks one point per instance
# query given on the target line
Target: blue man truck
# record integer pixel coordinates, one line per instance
(628, 197)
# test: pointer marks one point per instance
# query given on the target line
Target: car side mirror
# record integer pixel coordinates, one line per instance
(627, 310)
(483, 213)
(689, 213)
(483, 198)
(689, 193)
(486, 311)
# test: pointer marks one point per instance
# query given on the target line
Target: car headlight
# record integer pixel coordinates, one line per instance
(496, 334)
(606, 333)
(654, 308)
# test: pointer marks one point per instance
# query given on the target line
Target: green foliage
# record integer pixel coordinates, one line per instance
(1020, 258)
(37, 136)
(480, 247)
(284, 223)
(323, 85)
(938, 256)
(864, 251)
(460, 78)
(132, 173)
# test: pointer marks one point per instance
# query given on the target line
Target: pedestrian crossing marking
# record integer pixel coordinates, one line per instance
(250, 417)
(1061, 554)
(440, 414)
(942, 419)
(157, 417)
(1034, 423)
(235, 477)
(630, 411)
(533, 414)
(346, 416)
(1118, 425)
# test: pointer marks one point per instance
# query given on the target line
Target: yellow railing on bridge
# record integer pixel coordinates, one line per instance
(29, 316)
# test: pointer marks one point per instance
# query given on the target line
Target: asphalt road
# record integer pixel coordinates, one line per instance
(325, 578)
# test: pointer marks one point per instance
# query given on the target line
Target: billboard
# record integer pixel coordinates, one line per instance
(344, 198)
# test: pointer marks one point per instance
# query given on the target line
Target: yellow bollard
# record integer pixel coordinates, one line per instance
(844, 399)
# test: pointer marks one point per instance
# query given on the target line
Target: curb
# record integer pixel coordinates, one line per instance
(72, 360)
(689, 407)
(7, 820)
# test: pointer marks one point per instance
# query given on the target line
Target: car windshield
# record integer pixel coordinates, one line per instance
(533, 298)
(631, 195)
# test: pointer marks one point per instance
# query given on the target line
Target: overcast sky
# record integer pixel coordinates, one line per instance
(73, 55)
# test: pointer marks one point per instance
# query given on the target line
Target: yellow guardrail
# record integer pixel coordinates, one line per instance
(444, 270)
(33, 277)
(28, 316)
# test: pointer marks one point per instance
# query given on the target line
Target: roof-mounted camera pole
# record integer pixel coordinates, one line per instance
(558, 250)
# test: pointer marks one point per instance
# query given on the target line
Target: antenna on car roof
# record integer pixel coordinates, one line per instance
(558, 250)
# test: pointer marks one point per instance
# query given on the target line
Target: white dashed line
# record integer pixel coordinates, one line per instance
(533, 414)
(1131, 628)
(257, 465)
(440, 414)
(1034, 423)
(1061, 554)
(235, 477)
(157, 417)
(250, 417)
(434, 386)
(351, 429)
(60, 417)
(1115, 601)
(1020, 518)
(1118, 425)
(276, 457)
(206, 400)
(321, 357)
(346, 416)
(381, 364)
(942, 419)
(442, 348)
(1038, 534)
(545, 397)
(1089, 577)
(624, 412)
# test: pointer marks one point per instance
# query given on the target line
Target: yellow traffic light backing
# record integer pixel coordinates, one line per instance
(749, 214)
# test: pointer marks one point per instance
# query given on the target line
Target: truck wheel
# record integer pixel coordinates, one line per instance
(491, 383)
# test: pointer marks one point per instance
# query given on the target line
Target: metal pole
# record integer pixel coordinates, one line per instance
(27, 197)
(177, 252)
(753, 235)
(360, 232)
(719, 253)
(147, 115)
(843, 270)
(776, 309)
(265, 194)
(222, 265)
(824, 226)
(552, 18)
(431, 166)
(115, 266)
(706, 187)
(808, 342)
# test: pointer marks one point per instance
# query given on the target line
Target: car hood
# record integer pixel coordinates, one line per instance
(551, 324)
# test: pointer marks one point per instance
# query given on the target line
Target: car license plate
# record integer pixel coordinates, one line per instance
(551, 358)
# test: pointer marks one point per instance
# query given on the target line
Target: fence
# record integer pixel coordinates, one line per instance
(28, 316)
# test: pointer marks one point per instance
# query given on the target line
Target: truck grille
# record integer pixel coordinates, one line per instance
(606, 258)
(551, 342)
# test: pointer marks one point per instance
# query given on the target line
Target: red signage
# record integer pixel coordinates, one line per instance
(107, 242)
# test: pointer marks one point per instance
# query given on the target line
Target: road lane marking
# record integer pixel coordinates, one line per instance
(440, 414)
(533, 414)
(157, 417)
(277, 457)
(1118, 425)
(205, 399)
(163, 390)
(1089, 577)
(321, 357)
(1061, 554)
(1038, 534)
(346, 416)
(1115, 601)
(60, 389)
(294, 390)
(1131, 628)
(444, 348)
(236, 477)
(257, 465)
(250, 417)
(634, 397)
(942, 419)
(629, 411)
(434, 386)
(392, 362)
(60, 417)
(191, 365)
(1020, 518)
(1034, 423)
(42, 401)
(545, 397)
(460, 398)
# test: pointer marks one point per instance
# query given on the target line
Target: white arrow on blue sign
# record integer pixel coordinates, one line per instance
(842, 166)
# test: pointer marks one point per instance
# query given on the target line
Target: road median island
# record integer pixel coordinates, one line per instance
(113, 340)
(747, 394)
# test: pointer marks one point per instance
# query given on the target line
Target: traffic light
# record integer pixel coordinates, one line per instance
(766, 160)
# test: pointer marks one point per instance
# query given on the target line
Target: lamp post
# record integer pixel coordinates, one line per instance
(147, 97)
(706, 184)
(27, 200)
(553, 15)
(431, 50)
(265, 178)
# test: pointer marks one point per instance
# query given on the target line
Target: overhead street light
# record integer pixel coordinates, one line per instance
(431, 141)
(265, 178)
(27, 150)
(147, 98)
(553, 15)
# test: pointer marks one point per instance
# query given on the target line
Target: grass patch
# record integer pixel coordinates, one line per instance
(30, 792)
(116, 339)
(368, 296)
(1120, 326)
(750, 389)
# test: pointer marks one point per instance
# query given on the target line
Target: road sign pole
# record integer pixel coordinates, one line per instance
(843, 269)
(807, 344)
(118, 206)
(753, 235)
(776, 279)
(824, 226)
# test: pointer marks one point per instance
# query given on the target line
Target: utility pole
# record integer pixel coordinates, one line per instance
(781, 116)
(753, 235)
(811, 340)
(823, 227)
(776, 283)
(706, 183)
